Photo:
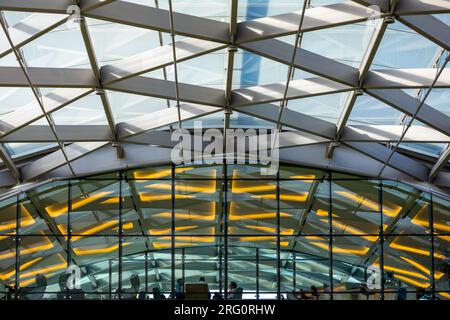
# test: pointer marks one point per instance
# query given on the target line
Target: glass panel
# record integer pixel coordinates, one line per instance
(407, 264)
(95, 209)
(42, 261)
(356, 209)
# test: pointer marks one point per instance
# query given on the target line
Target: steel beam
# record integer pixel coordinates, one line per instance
(430, 27)
(302, 88)
(57, 159)
(147, 17)
(317, 18)
(408, 105)
(442, 162)
(156, 58)
(305, 60)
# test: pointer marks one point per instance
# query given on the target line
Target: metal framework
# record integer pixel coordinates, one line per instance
(86, 149)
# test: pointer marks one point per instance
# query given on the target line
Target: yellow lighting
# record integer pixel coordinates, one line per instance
(113, 200)
(9, 274)
(411, 281)
(306, 177)
(55, 210)
(191, 239)
(258, 216)
(84, 252)
(352, 230)
(370, 204)
(157, 232)
(145, 197)
(44, 270)
(255, 239)
(444, 294)
(437, 275)
(324, 213)
(284, 197)
(184, 188)
(164, 245)
(257, 188)
(402, 271)
(438, 226)
(10, 255)
(341, 250)
(316, 238)
(415, 250)
(95, 229)
(24, 222)
(158, 175)
(287, 232)
(125, 226)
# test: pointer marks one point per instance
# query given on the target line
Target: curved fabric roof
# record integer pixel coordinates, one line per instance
(353, 89)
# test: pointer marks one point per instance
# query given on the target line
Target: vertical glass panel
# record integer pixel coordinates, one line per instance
(399, 199)
(42, 261)
(95, 208)
(441, 265)
(46, 199)
(8, 217)
(253, 207)
(441, 215)
(154, 197)
(198, 207)
(312, 269)
(407, 265)
(315, 219)
(197, 271)
(8, 261)
(242, 272)
(356, 209)
(98, 257)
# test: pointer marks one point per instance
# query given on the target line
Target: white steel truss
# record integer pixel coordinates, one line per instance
(363, 149)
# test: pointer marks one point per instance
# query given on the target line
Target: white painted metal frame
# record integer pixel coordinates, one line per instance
(204, 36)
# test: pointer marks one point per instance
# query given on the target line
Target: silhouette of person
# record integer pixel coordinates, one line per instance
(36, 292)
(132, 292)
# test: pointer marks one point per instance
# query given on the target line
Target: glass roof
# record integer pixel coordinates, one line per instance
(353, 68)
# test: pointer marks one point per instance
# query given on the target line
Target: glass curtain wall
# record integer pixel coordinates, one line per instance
(155, 233)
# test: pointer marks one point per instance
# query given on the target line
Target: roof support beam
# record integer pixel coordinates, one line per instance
(406, 79)
(302, 88)
(358, 133)
(96, 71)
(422, 7)
(156, 58)
(162, 118)
(315, 19)
(166, 90)
(157, 19)
(29, 29)
(397, 161)
(49, 6)
(52, 102)
(364, 69)
(440, 164)
(291, 119)
(305, 60)
(9, 163)
(57, 159)
(48, 77)
(407, 104)
(431, 28)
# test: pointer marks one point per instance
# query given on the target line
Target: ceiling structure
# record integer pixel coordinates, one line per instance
(353, 89)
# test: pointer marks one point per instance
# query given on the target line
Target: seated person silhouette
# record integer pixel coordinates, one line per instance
(36, 292)
(66, 293)
(131, 293)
